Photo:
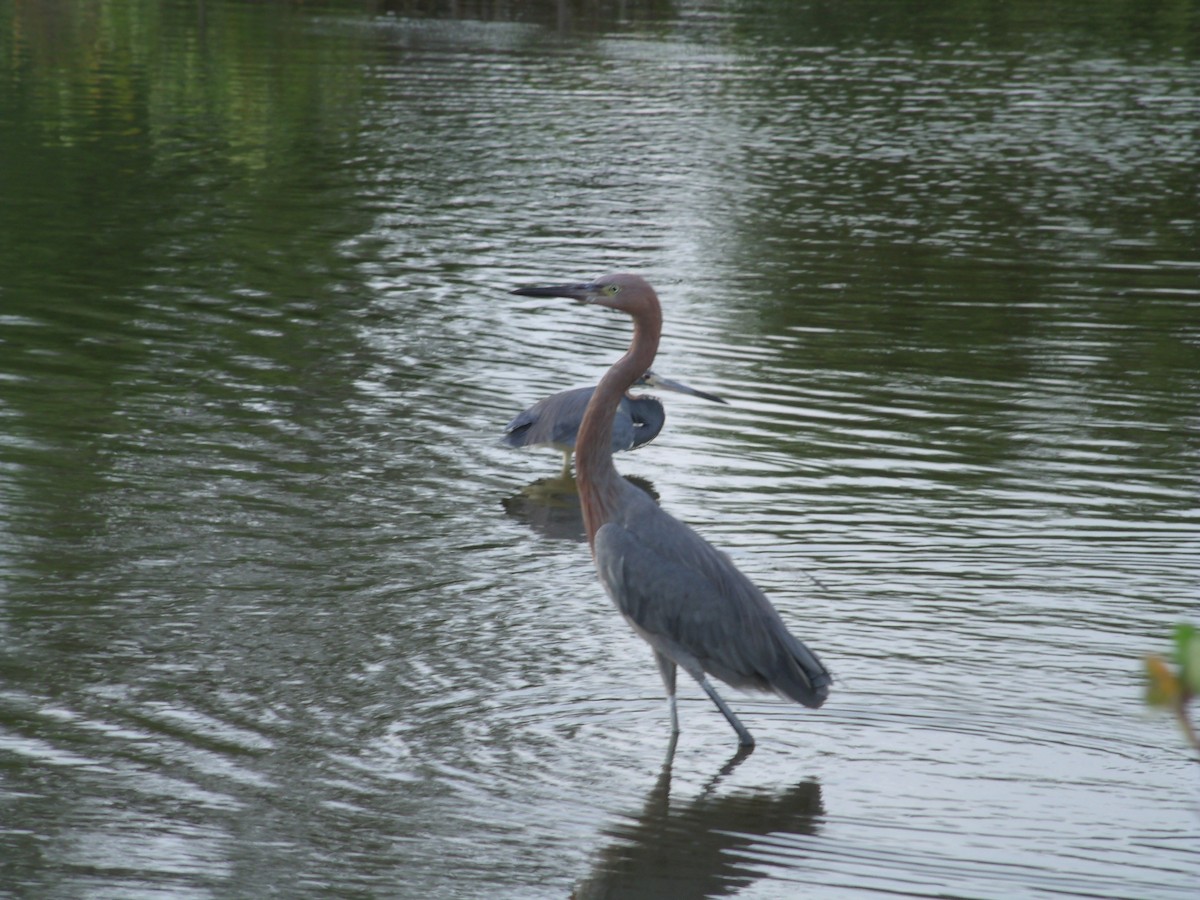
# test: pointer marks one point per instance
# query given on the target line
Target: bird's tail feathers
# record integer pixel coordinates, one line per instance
(801, 676)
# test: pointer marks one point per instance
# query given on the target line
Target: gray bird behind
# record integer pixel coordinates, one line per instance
(554, 421)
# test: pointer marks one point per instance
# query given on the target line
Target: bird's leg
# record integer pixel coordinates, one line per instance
(566, 472)
(666, 668)
(744, 736)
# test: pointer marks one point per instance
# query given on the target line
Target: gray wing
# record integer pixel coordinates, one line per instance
(690, 602)
(555, 421)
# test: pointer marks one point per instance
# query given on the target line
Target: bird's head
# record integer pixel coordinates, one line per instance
(621, 290)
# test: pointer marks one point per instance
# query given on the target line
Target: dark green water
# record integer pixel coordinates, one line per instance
(279, 614)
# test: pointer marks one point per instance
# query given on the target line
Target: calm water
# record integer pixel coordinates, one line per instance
(279, 615)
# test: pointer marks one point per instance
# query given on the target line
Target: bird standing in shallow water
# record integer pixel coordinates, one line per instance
(554, 421)
(684, 597)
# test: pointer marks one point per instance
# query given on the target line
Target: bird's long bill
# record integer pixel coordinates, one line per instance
(654, 380)
(580, 292)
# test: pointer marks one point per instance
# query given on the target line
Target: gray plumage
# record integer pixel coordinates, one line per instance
(683, 596)
(554, 421)
(692, 605)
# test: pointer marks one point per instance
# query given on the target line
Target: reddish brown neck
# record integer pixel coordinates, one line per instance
(599, 482)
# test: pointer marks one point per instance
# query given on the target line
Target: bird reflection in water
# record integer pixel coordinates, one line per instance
(551, 506)
(696, 849)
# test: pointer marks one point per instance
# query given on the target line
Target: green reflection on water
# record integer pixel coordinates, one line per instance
(182, 329)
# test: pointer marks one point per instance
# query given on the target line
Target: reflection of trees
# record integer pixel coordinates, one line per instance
(147, 73)
(564, 15)
(149, 130)
(694, 849)
(141, 239)
(985, 246)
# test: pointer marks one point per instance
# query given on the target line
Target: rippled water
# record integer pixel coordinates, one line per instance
(278, 613)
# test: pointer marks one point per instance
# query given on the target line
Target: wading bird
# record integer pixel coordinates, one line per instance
(554, 421)
(682, 595)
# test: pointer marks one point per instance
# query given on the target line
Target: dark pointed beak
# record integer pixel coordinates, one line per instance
(653, 380)
(581, 292)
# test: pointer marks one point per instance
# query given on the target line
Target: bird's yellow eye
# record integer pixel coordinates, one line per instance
(611, 289)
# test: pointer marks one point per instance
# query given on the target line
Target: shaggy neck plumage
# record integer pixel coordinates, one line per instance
(599, 482)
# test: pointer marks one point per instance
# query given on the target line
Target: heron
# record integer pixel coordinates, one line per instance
(554, 421)
(683, 596)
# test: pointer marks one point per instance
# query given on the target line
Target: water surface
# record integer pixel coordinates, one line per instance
(279, 613)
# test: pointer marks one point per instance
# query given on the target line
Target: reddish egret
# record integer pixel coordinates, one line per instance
(554, 421)
(682, 595)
